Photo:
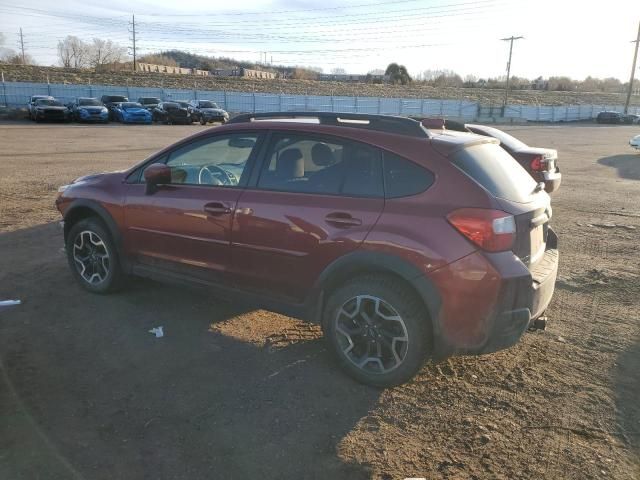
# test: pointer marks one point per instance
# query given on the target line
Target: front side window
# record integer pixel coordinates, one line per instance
(219, 161)
(313, 164)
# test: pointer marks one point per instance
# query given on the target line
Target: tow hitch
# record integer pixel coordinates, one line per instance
(539, 323)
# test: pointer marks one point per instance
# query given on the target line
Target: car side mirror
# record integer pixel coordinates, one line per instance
(155, 175)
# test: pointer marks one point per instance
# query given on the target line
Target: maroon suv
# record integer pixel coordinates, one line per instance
(401, 242)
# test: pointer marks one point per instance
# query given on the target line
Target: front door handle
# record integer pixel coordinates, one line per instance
(217, 208)
(342, 219)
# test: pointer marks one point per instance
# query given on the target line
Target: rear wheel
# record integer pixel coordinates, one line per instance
(92, 256)
(378, 329)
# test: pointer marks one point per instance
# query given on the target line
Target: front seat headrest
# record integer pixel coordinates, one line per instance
(322, 155)
(290, 164)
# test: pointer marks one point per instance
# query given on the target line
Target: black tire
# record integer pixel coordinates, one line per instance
(202, 121)
(89, 231)
(407, 306)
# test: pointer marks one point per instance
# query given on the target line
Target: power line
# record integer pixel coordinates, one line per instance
(510, 40)
(633, 70)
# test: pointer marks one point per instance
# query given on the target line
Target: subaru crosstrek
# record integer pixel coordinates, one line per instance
(403, 243)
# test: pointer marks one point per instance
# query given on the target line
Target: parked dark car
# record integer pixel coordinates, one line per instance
(149, 102)
(187, 105)
(171, 112)
(402, 243)
(31, 105)
(541, 163)
(609, 117)
(110, 102)
(88, 110)
(46, 109)
(630, 118)
(205, 111)
(131, 112)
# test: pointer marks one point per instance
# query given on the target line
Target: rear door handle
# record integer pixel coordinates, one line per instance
(217, 208)
(342, 219)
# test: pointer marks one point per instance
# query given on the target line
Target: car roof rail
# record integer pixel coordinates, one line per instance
(383, 123)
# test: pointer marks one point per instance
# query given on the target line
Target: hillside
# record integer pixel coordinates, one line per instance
(21, 73)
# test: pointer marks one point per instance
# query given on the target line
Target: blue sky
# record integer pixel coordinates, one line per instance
(562, 37)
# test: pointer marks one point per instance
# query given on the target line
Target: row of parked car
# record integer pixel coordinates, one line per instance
(118, 108)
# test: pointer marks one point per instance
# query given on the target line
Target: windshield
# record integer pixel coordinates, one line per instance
(171, 105)
(130, 105)
(507, 140)
(117, 99)
(49, 103)
(89, 102)
(208, 105)
(149, 100)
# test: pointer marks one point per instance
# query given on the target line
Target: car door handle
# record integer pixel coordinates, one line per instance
(342, 219)
(217, 208)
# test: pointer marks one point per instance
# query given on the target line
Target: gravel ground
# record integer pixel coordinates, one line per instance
(87, 393)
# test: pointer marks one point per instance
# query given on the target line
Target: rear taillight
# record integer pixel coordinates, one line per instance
(491, 230)
(538, 163)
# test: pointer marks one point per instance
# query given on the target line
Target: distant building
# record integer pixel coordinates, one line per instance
(152, 68)
(346, 77)
(242, 72)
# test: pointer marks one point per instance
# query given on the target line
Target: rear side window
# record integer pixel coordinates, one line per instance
(322, 165)
(497, 171)
(403, 178)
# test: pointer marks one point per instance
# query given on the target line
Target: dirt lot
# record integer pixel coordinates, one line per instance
(87, 392)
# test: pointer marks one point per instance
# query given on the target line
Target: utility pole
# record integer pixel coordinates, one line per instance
(633, 70)
(510, 40)
(22, 45)
(133, 31)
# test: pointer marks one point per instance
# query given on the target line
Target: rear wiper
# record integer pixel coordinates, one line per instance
(539, 187)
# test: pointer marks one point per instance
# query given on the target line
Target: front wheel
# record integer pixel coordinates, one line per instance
(92, 256)
(202, 121)
(379, 330)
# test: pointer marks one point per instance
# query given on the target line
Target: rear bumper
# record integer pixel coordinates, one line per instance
(552, 180)
(497, 316)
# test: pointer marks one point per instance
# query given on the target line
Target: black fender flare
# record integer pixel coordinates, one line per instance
(366, 261)
(103, 214)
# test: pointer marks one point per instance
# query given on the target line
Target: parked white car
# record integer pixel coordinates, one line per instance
(635, 142)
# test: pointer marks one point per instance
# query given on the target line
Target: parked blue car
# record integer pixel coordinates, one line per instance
(88, 110)
(131, 112)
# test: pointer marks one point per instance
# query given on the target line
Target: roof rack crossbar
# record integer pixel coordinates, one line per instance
(384, 123)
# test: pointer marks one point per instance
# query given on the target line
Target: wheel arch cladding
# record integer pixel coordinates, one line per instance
(362, 263)
(81, 209)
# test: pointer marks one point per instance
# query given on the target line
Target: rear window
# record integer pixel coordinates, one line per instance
(497, 171)
(403, 178)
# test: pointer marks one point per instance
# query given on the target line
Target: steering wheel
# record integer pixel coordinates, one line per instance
(217, 175)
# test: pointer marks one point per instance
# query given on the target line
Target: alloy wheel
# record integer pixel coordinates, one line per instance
(91, 257)
(371, 334)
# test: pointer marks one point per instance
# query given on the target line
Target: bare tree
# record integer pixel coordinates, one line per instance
(5, 53)
(102, 52)
(73, 52)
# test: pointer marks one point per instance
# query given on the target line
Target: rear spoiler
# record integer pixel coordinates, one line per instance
(448, 143)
